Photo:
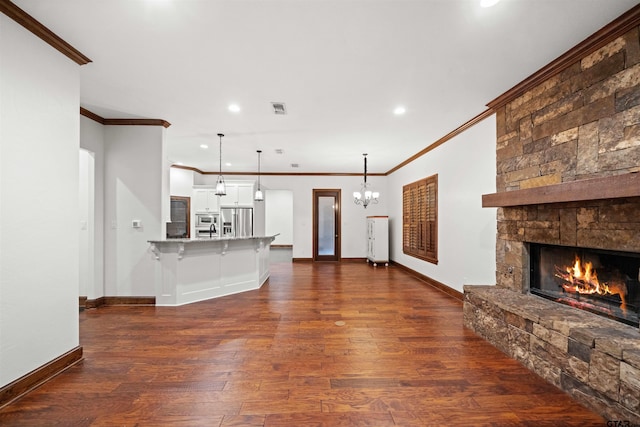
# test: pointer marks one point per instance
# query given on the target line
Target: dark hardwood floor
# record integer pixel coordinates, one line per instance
(277, 357)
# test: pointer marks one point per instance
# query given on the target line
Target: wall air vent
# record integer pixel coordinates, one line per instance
(279, 108)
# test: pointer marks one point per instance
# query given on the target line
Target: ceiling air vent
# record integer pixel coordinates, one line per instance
(279, 151)
(279, 108)
(295, 165)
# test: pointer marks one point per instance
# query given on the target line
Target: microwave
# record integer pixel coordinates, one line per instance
(205, 220)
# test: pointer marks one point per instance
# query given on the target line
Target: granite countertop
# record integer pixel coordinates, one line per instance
(212, 239)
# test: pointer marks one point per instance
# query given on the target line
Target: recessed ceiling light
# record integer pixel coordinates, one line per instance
(488, 3)
(399, 110)
(204, 146)
(227, 164)
(234, 108)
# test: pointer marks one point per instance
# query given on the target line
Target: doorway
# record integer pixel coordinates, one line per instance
(180, 225)
(326, 225)
(278, 218)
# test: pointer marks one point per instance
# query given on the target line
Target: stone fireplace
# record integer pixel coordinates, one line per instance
(568, 157)
(603, 282)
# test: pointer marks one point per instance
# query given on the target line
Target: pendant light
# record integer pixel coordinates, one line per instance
(221, 189)
(365, 196)
(258, 197)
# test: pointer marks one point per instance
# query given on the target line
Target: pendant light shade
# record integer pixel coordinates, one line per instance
(221, 188)
(258, 197)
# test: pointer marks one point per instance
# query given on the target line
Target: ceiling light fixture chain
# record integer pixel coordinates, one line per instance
(221, 188)
(258, 197)
(366, 195)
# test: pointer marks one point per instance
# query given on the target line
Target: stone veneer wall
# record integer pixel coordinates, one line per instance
(581, 123)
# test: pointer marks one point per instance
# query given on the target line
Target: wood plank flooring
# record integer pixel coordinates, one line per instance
(275, 357)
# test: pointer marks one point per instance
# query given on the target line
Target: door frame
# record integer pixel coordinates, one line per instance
(337, 195)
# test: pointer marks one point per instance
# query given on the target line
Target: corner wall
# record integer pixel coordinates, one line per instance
(279, 216)
(135, 184)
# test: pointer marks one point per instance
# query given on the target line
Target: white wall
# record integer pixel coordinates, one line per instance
(135, 189)
(39, 134)
(279, 215)
(92, 144)
(354, 226)
(181, 182)
(466, 232)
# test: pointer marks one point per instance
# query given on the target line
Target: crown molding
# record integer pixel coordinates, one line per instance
(91, 115)
(137, 122)
(33, 25)
(617, 28)
(190, 168)
(460, 129)
(123, 122)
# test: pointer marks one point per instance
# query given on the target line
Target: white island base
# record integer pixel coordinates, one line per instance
(191, 270)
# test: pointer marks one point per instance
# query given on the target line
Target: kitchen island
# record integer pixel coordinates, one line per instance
(191, 270)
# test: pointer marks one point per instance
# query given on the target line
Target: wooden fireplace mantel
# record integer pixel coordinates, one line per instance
(608, 187)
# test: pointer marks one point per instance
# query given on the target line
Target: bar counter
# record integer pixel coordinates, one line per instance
(192, 270)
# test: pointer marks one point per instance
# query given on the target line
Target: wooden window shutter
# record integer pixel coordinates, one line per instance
(420, 219)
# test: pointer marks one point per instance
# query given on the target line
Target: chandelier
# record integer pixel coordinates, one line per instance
(221, 189)
(366, 195)
(258, 197)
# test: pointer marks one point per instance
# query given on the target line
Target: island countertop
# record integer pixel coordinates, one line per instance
(191, 270)
(211, 239)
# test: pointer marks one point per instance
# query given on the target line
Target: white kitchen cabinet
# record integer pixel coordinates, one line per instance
(205, 200)
(245, 194)
(239, 193)
(378, 240)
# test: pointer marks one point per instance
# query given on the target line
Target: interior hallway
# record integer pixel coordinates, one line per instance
(281, 356)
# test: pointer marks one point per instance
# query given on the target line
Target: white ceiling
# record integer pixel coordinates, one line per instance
(340, 66)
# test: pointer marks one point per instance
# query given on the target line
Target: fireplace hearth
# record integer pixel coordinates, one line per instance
(600, 281)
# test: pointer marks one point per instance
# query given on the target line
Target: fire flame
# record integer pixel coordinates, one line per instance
(583, 279)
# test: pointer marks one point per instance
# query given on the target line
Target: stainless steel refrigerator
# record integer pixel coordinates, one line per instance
(237, 222)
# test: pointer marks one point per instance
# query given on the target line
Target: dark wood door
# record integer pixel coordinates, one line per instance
(326, 225)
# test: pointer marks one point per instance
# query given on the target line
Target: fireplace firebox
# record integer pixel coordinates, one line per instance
(600, 281)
